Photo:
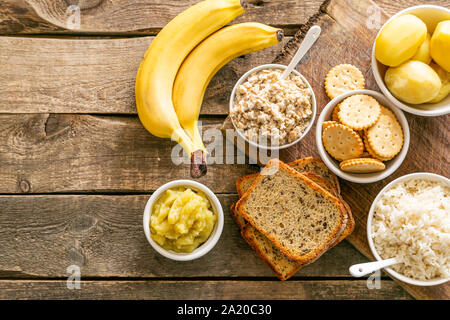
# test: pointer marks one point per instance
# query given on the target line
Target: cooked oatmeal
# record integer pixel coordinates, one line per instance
(266, 107)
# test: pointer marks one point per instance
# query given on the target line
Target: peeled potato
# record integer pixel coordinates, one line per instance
(423, 53)
(399, 40)
(413, 82)
(445, 79)
(440, 45)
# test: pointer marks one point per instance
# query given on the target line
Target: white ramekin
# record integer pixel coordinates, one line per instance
(203, 248)
(431, 15)
(418, 175)
(313, 107)
(391, 165)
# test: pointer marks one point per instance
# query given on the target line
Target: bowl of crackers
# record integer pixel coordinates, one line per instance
(362, 136)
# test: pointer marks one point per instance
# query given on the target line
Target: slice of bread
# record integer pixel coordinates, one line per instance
(237, 218)
(315, 165)
(320, 174)
(309, 164)
(325, 184)
(244, 183)
(322, 182)
(297, 216)
(283, 267)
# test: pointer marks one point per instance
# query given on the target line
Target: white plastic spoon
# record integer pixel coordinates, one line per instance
(362, 269)
(311, 36)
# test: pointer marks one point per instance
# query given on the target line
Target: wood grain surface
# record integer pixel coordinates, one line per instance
(42, 235)
(41, 75)
(202, 290)
(133, 16)
(59, 153)
(129, 17)
(77, 167)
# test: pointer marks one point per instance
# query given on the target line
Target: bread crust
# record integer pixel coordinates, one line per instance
(311, 256)
(282, 276)
(329, 186)
(333, 178)
(240, 221)
(240, 182)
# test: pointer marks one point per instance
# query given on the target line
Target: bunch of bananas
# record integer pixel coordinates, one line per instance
(179, 64)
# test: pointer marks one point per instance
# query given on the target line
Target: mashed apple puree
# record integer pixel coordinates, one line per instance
(182, 219)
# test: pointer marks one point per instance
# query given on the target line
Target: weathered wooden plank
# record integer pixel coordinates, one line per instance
(429, 136)
(130, 16)
(41, 236)
(93, 76)
(43, 153)
(202, 290)
(392, 7)
(148, 17)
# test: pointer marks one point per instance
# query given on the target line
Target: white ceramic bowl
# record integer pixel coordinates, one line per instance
(391, 165)
(203, 248)
(419, 175)
(313, 107)
(431, 15)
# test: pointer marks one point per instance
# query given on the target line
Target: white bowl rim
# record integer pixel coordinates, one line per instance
(313, 106)
(203, 248)
(416, 175)
(376, 72)
(355, 177)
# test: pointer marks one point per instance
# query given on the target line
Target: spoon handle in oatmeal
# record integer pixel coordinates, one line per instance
(311, 36)
(362, 269)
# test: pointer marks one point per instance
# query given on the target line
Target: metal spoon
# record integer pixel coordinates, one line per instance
(311, 36)
(362, 269)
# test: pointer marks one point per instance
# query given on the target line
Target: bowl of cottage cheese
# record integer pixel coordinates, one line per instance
(269, 112)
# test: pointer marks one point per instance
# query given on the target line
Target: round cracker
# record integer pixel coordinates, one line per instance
(359, 112)
(326, 124)
(341, 142)
(362, 165)
(385, 138)
(372, 153)
(343, 78)
(387, 112)
(334, 114)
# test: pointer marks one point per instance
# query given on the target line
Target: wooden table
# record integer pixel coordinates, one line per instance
(77, 167)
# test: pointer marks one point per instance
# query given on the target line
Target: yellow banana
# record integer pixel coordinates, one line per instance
(158, 69)
(209, 57)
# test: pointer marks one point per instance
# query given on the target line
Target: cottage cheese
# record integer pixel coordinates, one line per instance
(268, 109)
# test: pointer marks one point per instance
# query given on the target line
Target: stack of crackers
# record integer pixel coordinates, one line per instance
(322, 181)
(362, 133)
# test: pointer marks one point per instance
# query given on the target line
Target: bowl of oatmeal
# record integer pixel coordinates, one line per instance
(270, 113)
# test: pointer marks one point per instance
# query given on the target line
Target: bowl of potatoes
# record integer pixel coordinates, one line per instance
(411, 60)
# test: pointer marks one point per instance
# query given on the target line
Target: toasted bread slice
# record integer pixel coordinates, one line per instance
(320, 174)
(237, 218)
(325, 184)
(244, 183)
(309, 164)
(283, 267)
(315, 165)
(294, 213)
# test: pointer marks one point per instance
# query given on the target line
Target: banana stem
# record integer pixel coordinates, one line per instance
(198, 159)
(193, 132)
